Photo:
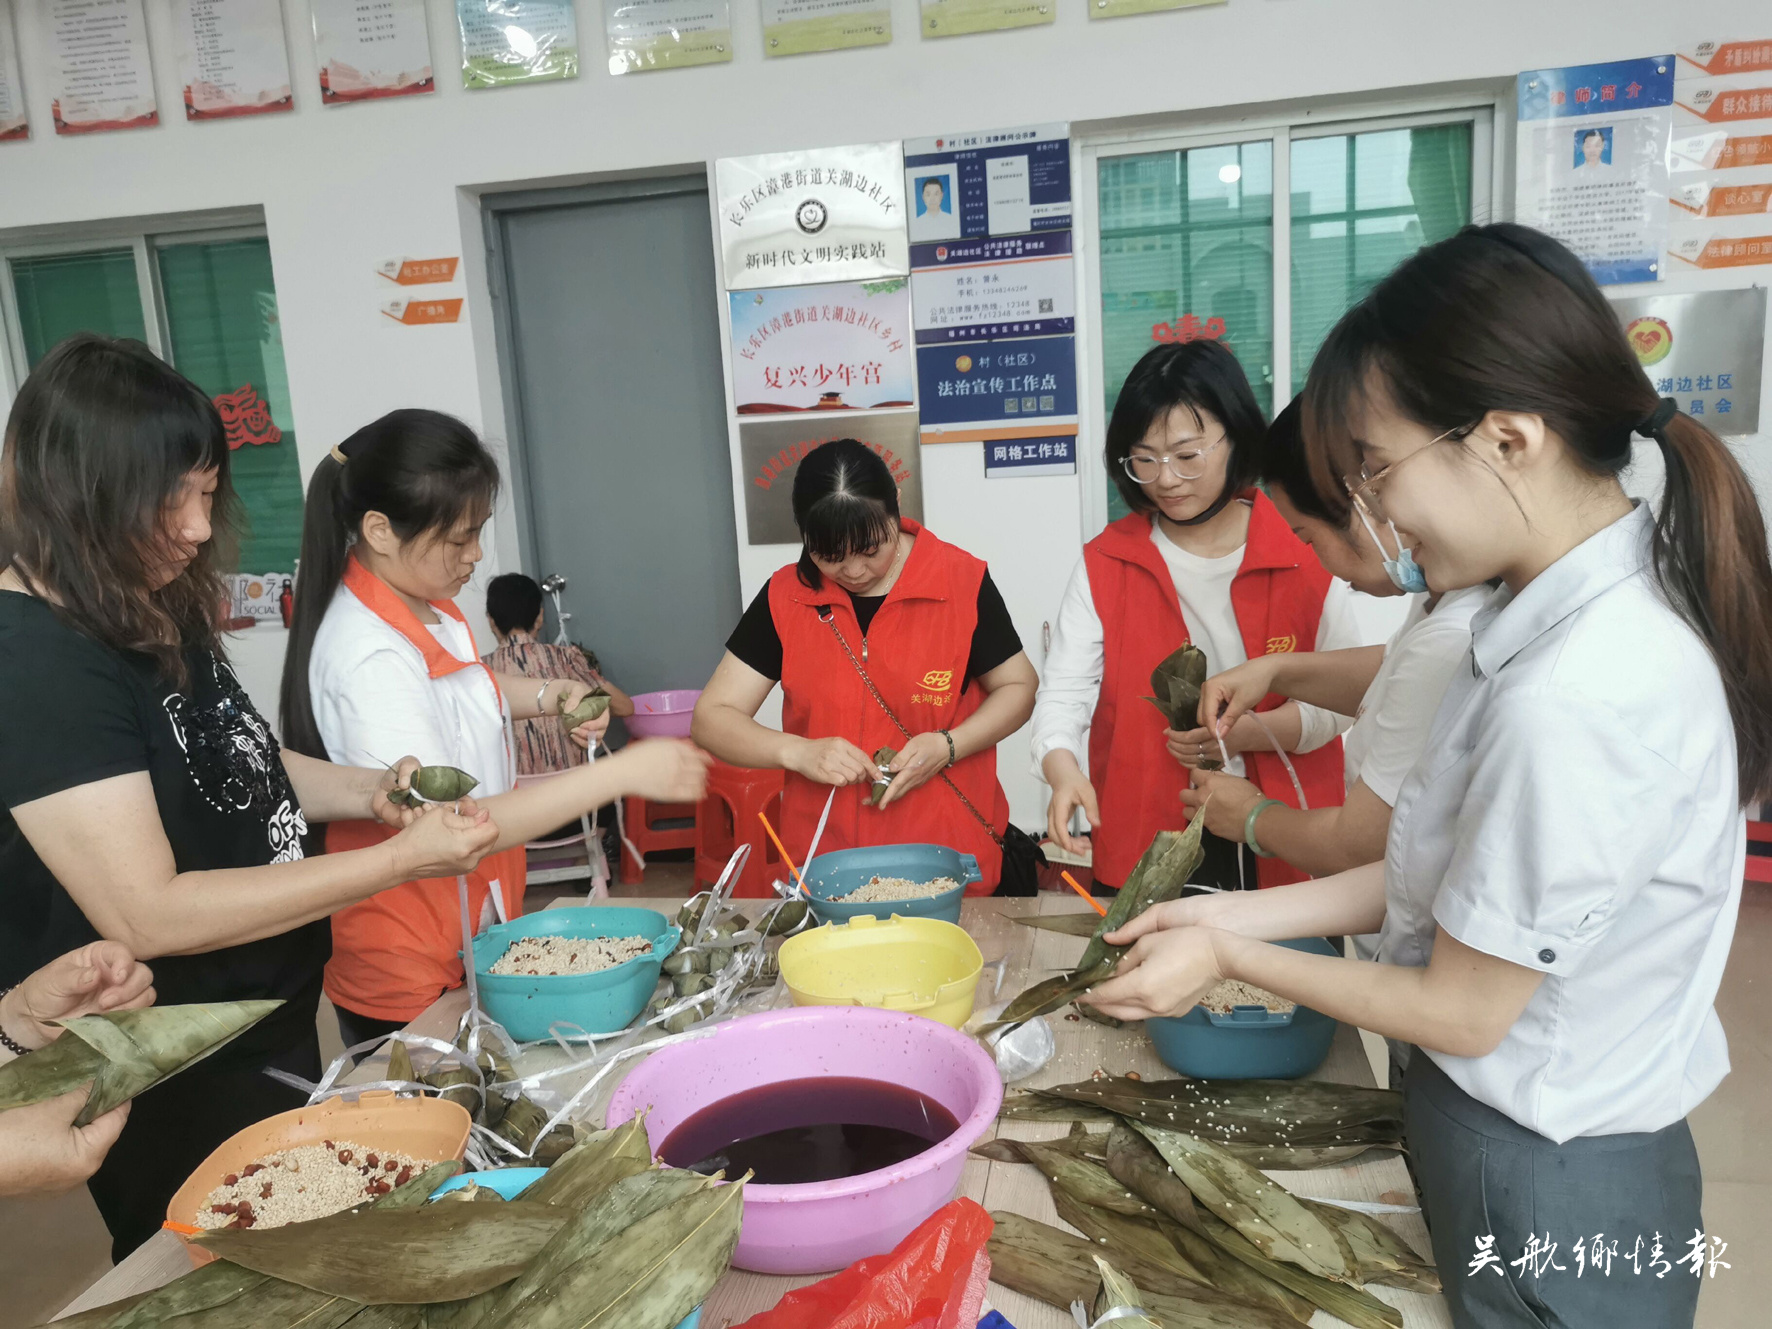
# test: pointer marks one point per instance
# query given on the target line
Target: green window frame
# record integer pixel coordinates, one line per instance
(1182, 229)
(205, 302)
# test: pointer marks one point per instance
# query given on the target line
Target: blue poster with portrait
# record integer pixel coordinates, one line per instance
(1592, 169)
(999, 182)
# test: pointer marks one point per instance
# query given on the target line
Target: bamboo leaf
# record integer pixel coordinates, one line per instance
(594, 1164)
(1288, 1113)
(1262, 1210)
(1177, 681)
(1135, 1163)
(1071, 925)
(1119, 1292)
(379, 1256)
(1358, 1308)
(1384, 1257)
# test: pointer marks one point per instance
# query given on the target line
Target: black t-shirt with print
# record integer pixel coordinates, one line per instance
(73, 711)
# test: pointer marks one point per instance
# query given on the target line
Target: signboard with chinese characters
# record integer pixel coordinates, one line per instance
(953, 18)
(998, 390)
(13, 122)
(1031, 456)
(975, 290)
(1704, 350)
(99, 75)
(795, 27)
(1592, 169)
(233, 59)
(771, 451)
(822, 348)
(370, 49)
(800, 218)
(1721, 156)
(1001, 182)
(516, 41)
(666, 34)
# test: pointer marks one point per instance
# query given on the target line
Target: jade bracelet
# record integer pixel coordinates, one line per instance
(1249, 825)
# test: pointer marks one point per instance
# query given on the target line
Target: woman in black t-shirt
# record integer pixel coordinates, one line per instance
(145, 800)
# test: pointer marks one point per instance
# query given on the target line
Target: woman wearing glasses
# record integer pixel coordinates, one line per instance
(1565, 865)
(1202, 557)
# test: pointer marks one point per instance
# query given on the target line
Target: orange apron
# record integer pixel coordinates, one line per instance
(396, 952)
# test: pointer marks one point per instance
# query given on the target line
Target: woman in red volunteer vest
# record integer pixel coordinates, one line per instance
(874, 592)
(1202, 557)
(381, 664)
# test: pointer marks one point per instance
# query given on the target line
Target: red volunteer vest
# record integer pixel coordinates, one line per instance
(917, 646)
(1277, 597)
(393, 953)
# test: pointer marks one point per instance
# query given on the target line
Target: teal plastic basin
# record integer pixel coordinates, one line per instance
(1252, 1042)
(845, 870)
(598, 1003)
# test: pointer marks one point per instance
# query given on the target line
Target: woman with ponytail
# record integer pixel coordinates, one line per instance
(381, 663)
(1565, 862)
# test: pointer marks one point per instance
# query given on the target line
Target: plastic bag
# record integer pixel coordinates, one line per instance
(933, 1279)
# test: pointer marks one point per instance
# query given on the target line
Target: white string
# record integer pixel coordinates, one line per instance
(1080, 1313)
(1297, 788)
(817, 835)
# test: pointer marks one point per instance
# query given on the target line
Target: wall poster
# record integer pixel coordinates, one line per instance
(799, 218)
(1721, 157)
(823, 348)
(516, 41)
(993, 293)
(794, 27)
(14, 124)
(369, 49)
(232, 58)
(1704, 350)
(666, 34)
(770, 452)
(1592, 162)
(955, 18)
(100, 77)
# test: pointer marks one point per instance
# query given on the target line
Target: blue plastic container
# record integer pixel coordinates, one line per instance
(511, 1182)
(1252, 1042)
(849, 869)
(598, 1003)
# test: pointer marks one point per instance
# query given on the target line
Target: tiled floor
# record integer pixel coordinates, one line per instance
(50, 1249)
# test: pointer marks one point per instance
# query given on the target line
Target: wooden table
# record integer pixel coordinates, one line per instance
(1083, 1046)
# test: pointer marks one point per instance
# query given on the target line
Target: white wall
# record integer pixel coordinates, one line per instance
(343, 188)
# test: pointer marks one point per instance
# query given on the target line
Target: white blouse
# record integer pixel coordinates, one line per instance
(1577, 813)
(1070, 681)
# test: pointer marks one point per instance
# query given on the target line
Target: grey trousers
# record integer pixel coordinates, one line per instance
(1483, 1175)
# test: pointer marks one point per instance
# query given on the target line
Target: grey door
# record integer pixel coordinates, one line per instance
(609, 335)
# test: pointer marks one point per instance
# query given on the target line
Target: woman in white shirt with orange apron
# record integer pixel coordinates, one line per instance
(382, 664)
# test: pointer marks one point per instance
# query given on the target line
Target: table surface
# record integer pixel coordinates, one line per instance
(1029, 954)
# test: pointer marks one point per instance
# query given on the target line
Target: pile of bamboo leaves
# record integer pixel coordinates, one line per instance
(607, 1238)
(1162, 872)
(1207, 1241)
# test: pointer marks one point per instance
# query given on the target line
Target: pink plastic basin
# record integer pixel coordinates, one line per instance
(827, 1225)
(663, 714)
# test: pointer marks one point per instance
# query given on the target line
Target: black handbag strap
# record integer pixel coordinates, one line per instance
(827, 617)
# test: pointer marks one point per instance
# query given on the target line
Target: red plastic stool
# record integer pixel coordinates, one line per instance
(727, 818)
(643, 826)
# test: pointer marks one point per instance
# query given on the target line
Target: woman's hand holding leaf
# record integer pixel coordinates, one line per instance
(1165, 973)
(1224, 800)
(383, 809)
(919, 760)
(831, 761)
(42, 1151)
(100, 976)
(1225, 697)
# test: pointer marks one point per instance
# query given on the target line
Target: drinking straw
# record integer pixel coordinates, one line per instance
(1092, 901)
(781, 849)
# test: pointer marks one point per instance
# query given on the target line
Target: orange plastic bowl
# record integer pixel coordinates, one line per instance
(428, 1128)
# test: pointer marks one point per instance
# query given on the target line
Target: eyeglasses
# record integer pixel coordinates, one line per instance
(1147, 470)
(1364, 488)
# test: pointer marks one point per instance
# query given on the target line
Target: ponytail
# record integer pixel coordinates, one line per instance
(1710, 558)
(1503, 317)
(422, 470)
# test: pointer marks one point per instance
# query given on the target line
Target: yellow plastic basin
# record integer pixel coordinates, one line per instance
(921, 965)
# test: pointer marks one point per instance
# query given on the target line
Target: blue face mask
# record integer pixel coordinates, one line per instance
(1405, 573)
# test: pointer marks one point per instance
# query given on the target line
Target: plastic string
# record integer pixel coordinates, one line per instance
(1297, 788)
(1080, 1313)
(1364, 1206)
(467, 947)
(818, 834)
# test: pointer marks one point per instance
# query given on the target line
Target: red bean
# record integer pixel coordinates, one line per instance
(232, 1179)
(373, 1161)
(344, 1155)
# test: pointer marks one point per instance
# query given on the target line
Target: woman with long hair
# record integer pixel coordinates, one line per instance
(1203, 557)
(382, 662)
(1565, 863)
(881, 635)
(145, 800)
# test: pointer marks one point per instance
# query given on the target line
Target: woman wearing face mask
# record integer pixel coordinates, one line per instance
(1203, 557)
(381, 662)
(145, 800)
(1392, 691)
(1565, 863)
(880, 624)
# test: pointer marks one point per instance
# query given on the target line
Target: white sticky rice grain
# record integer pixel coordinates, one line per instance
(555, 957)
(882, 889)
(305, 1182)
(1222, 996)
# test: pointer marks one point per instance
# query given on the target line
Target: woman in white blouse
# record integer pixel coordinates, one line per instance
(1202, 557)
(1565, 863)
